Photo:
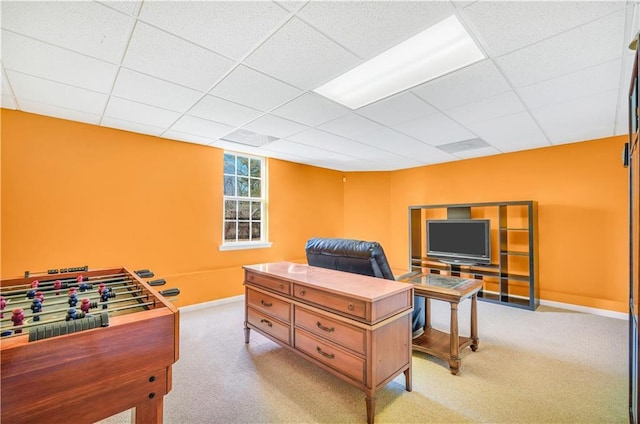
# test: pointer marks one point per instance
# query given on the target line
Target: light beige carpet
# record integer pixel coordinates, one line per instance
(547, 366)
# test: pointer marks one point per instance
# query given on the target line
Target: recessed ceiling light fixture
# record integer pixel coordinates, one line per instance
(436, 51)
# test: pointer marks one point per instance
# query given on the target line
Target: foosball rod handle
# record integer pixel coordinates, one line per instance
(170, 292)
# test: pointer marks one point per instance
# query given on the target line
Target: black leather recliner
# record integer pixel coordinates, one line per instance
(359, 257)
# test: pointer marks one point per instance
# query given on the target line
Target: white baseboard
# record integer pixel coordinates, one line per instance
(585, 309)
(211, 303)
(568, 306)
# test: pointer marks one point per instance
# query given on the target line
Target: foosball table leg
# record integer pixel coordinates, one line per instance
(149, 412)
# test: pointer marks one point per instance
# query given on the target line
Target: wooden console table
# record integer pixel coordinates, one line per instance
(356, 327)
(453, 290)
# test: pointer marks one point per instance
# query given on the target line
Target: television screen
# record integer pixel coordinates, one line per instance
(459, 240)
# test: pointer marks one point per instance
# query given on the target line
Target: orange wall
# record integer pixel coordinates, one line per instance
(76, 194)
(581, 190)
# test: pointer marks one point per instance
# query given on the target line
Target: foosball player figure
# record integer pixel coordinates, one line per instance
(34, 285)
(102, 287)
(85, 305)
(104, 297)
(40, 296)
(3, 304)
(73, 299)
(18, 319)
(73, 314)
(36, 308)
(57, 285)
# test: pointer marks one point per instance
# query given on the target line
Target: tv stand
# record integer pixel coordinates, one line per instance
(512, 277)
(457, 262)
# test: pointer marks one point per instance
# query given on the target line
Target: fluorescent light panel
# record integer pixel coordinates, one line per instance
(436, 51)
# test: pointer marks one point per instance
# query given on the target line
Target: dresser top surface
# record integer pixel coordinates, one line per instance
(354, 285)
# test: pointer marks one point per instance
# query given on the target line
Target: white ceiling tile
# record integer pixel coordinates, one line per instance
(510, 25)
(324, 140)
(189, 138)
(350, 125)
(56, 94)
(588, 117)
(57, 112)
(393, 141)
(434, 129)
(130, 7)
(506, 103)
(303, 150)
(292, 5)
(311, 109)
(386, 161)
(223, 111)
(166, 56)
(32, 57)
(301, 56)
(357, 25)
(275, 126)
(146, 89)
(231, 28)
(89, 28)
(237, 147)
(8, 102)
(476, 153)
(136, 127)
(139, 113)
(254, 89)
(565, 53)
(622, 119)
(572, 86)
(201, 127)
(6, 89)
(399, 108)
(464, 86)
(511, 133)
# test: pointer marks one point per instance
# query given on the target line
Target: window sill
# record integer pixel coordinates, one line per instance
(244, 246)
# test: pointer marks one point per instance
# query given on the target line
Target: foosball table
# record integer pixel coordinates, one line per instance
(80, 345)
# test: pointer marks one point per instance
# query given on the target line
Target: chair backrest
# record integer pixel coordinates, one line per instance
(356, 256)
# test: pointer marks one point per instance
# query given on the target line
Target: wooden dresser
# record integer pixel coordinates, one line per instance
(353, 326)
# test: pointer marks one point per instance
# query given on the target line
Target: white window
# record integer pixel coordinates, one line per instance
(244, 206)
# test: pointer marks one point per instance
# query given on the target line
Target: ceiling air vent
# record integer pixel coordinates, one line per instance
(248, 138)
(463, 146)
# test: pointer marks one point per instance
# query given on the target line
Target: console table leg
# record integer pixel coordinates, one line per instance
(474, 323)
(427, 313)
(371, 408)
(454, 360)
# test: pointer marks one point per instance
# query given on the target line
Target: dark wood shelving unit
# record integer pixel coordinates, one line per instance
(511, 278)
(631, 157)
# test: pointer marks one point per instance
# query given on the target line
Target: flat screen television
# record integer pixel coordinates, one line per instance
(459, 241)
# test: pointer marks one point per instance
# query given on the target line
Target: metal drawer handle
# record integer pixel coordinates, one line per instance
(265, 304)
(350, 306)
(266, 321)
(325, 354)
(302, 292)
(327, 329)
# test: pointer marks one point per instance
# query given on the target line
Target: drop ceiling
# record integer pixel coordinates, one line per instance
(555, 72)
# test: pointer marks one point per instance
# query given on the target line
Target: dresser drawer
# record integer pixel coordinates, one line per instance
(269, 305)
(325, 299)
(343, 334)
(270, 283)
(269, 325)
(339, 359)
